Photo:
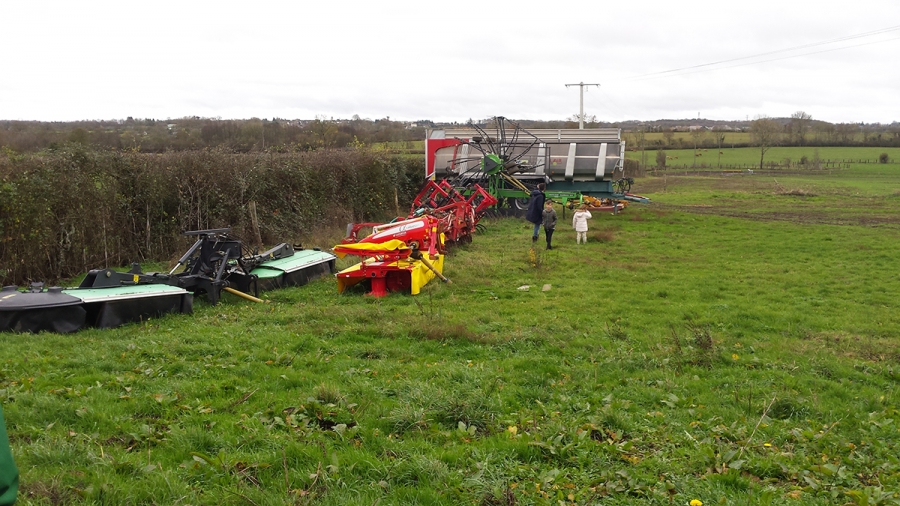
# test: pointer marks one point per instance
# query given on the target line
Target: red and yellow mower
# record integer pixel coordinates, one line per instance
(409, 253)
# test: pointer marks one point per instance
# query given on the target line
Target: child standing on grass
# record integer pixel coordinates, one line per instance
(549, 219)
(579, 222)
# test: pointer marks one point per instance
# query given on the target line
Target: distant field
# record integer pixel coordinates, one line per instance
(750, 156)
(731, 138)
(685, 137)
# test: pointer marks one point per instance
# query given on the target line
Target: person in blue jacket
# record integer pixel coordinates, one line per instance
(535, 211)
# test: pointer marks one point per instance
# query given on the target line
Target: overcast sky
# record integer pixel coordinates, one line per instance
(450, 61)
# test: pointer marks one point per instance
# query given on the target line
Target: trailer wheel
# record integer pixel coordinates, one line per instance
(519, 204)
(517, 207)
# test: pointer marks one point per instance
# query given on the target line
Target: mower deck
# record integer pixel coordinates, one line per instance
(387, 276)
(67, 310)
(107, 298)
(296, 270)
(115, 306)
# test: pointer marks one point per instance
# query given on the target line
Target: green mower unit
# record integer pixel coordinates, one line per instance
(108, 298)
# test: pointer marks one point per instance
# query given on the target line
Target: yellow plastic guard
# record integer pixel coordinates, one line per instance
(421, 275)
(344, 249)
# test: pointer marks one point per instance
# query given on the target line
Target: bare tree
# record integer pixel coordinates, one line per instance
(589, 119)
(799, 125)
(697, 135)
(846, 132)
(669, 136)
(824, 131)
(720, 138)
(765, 133)
(641, 142)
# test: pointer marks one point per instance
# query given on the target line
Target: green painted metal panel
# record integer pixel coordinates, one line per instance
(122, 292)
(266, 273)
(298, 260)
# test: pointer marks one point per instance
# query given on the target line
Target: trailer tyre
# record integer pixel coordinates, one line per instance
(518, 207)
(519, 204)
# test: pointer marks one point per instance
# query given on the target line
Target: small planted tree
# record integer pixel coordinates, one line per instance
(720, 138)
(697, 134)
(765, 133)
(883, 158)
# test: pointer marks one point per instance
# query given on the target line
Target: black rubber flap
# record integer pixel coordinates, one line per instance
(267, 284)
(111, 314)
(304, 276)
(299, 277)
(60, 319)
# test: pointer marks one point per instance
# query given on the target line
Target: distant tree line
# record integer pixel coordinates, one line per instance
(798, 130)
(282, 135)
(240, 136)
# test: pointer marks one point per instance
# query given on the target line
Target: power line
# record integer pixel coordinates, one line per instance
(650, 77)
(695, 68)
(608, 104)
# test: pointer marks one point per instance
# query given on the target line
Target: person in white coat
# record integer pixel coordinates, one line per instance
(579, 222)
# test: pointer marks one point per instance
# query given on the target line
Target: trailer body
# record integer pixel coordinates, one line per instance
(559, 155)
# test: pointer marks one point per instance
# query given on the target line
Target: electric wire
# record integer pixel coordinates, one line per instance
(610, 104)
(701, 68)
(695, 69)
(763, 61)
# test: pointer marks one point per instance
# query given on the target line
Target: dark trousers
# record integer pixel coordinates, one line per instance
(549, 232)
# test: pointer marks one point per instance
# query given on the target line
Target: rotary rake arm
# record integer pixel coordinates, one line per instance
(513, 151)
(503, 152)
(458, 213)
(507, 151)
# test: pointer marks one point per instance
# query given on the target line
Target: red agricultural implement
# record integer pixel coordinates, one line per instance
(459, 214)
(408, 253)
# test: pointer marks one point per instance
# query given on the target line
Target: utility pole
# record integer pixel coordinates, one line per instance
(581, 108)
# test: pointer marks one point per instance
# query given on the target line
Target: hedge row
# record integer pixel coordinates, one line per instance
(76, 208)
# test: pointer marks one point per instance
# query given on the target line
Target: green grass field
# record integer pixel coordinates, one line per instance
(730, 138)
(734, 342)
(830, 157)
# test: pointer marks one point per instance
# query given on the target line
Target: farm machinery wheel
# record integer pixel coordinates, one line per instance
(519, 204)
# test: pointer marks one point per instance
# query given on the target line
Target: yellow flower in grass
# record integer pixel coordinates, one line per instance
(734, 356)
(696, 502)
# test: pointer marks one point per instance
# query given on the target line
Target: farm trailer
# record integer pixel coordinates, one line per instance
(509, 161)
